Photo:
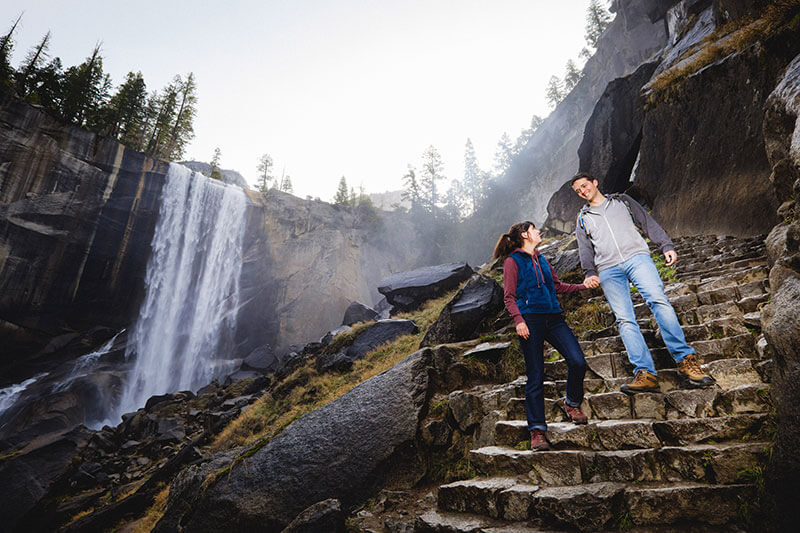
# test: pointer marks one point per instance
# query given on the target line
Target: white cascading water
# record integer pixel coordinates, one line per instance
(187, 320)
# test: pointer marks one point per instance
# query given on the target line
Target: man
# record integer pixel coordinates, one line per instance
(613, 253)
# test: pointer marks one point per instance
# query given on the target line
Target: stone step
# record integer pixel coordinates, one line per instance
(596, 506)
(727, 372)
(437, 521)
(681, 403)
(616, 363)
(707, 463)
(731, 269)
(627, 434)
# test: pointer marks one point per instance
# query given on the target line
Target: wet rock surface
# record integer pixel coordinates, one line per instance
(464, 316)
(407, 291)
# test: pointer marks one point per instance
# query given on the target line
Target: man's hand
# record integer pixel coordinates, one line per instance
(592, 282)
(670, 257)
(522, 330)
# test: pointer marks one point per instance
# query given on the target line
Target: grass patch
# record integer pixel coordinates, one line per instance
(735, 36)
(151, 516)
(667, 273)
(305, 389)
(588, 316)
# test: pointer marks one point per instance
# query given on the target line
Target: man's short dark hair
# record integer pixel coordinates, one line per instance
(581, 175)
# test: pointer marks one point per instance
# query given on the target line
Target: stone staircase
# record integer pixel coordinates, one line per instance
(678, 458)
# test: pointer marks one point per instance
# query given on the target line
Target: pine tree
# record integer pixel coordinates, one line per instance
(572, 76)
(411, 190)
(6, 47)
(49, 87)
(503, 155)
(162, 108)
(526, 134)
(124, 116)
(554, 92)
(286, 184)
(182, 130)
(341, 197)
(432, 172)
(455, 201)
(27, 74)
(597, 20)
(473, 177)
(85, 89)
(264, 173)
(216, 173)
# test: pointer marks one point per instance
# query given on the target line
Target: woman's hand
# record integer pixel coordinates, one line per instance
(522, 330)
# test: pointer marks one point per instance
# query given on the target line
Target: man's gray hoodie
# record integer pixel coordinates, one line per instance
(607, 233)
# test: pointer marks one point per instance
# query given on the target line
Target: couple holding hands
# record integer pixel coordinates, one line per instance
(612, 255)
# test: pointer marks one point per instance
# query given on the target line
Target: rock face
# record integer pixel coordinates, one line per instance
(309, 260)
(779, 316)
(406, 291)
(358, 312)
(343, 450)
(464, 315)
(718, 185)
(610, 145)
(77, 214)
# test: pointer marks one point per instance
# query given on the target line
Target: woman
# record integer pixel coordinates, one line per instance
(530, 297)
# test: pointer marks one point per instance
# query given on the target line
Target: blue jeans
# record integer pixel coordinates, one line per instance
(553, 329)
(641, 271)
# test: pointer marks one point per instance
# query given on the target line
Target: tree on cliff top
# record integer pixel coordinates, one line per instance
(474, 180)
(341, 197)
(86, 89)
(6, 46)
(432, 172)
(264, 173)
(124, 116)
(216, 173)
(597, 20)
(27, 73)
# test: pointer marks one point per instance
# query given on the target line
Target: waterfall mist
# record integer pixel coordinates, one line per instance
(184, 332)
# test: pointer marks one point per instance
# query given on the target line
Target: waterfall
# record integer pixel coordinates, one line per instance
(184, 332)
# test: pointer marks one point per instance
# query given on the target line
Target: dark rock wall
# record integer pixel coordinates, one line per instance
(702, 163)
(779, 318)
(77, 214)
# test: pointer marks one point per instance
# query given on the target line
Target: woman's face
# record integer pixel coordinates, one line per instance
(533, 235)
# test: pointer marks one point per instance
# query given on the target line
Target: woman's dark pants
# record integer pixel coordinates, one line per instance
(553, 329)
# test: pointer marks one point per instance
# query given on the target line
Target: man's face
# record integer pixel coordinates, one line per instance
(585, 188)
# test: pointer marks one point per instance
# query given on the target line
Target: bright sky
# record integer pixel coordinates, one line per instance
(329, 88)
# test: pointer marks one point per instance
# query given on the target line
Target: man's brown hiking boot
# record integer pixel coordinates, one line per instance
(575, 414)
(689, 369)
(644, 381)
(539, 440)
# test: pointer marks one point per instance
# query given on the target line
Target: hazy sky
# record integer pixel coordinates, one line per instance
(329, 88)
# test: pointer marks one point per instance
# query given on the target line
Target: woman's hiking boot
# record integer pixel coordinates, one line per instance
(689, 369)
(539, 440)
(575, 414)
(644, 381)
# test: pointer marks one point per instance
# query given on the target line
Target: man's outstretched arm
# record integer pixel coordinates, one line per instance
(652, 230)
